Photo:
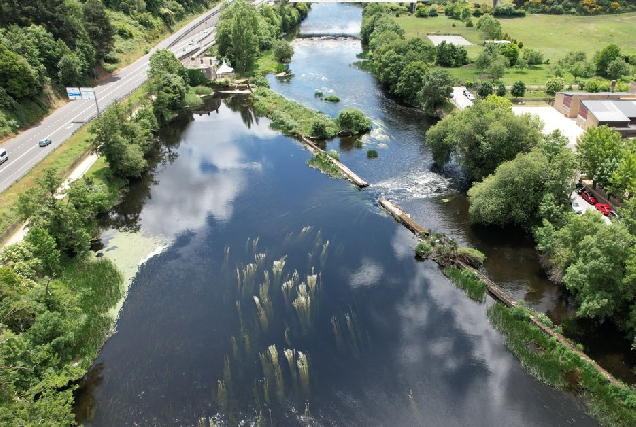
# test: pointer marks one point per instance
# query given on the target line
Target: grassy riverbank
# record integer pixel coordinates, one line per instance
(553, 363)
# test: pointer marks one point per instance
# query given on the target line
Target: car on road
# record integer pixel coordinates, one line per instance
(576, 207)
(588, 197)
(44, 142)
(604, 208)
(191, 42)
(3, 156)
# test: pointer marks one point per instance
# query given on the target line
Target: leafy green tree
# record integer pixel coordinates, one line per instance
(70, 69)
(605, 56)
(283, 51)
(599, 151)
(497, 68)
(511, 51)
(534, 57)
(501, 90)
(484, 59)
(245, 48)
(581, 69)
(485, 89)
(449, 55)
(435, 90)
(554, 85)
(618, 68)
(483, 136)
(410, 82)
(353, 121)
(98, 26)
(16, 75)
(518, 89)
(623, 178)
(489, 27)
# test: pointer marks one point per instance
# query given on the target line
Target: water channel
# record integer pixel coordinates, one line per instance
(288, 298)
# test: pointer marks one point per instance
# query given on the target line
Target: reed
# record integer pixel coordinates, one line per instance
(335, 328)
(259, 258)
(221, 396)
(467, 280)
(287, 288)
(277, 270)
(290, 355)
(302, 304)
(255, 244)
(227, 373)
(249, 276)
(246, 341)
(312, 280)
(226, 253)
(303, 371)
(235, 349)
(287, 339)
(278, 374)
(263, 292)
(307, 415)
(262, 316)
(240, 312)
(323, 254)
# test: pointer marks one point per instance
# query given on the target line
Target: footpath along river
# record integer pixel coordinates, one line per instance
(288, 298)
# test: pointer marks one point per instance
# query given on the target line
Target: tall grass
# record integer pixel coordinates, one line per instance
(290, 117)
(553, 363)
(474, 287)
(322, 162)
(98, 284)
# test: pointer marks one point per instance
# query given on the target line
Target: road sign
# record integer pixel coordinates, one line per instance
(73, 93)
(87, 92)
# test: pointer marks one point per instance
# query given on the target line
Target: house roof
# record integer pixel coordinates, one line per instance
(224, 69)
(627, 107)
(605, 110)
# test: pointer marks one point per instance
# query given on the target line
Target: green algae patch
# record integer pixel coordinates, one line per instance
(128, 251)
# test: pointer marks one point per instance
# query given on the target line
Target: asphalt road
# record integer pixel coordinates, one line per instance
(23, 150)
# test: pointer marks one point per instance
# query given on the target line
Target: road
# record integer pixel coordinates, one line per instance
(23, 150)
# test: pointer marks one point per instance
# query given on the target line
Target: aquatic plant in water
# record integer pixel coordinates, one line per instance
(262, 316)
(259, 258)
(303, 371)
(287, 287)
(302, 304)
(323, 254)
(226, 252)
(290, 355)
(221, 396)
(235, 349)
(263, 292)
(335, 328)
(277, 269)
(227, 373)
(312, 280)
(278, 375)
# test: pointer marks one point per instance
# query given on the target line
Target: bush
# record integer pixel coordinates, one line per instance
(283, 50)
(485, 89)
(534, 57)
(332, 98)
(318, 94)
(353, 121)
(518, 89)
(421, 12)
(595, 85)
(259, 81)
(319, 129)
(334, 154)
(554, 85)
(111, 58)
(469, 23)
(372, 154)
(423, 250)
(472, 256)
(433, 11)
(501, 90)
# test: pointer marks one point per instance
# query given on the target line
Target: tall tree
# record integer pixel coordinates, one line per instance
(435, 90)
(599, 152)
(245, 46)
(98, 27)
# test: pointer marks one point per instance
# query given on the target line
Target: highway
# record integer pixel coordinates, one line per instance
(23, 150)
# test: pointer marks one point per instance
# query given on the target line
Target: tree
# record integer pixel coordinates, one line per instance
(483, 61)
(581, 69)
(485, 89)
(70, 69)
(599, 152)
(501, 90)
(449, 55)
(605, 56)
(245, 47)
(534, 57)
(16, 75)
(489, 27)
(623, 179)
(410, 81)
(435, 90)
(518, 89)
(618, 68)
(98, 26)
(497, 68)
(353, 121)
(483, 136)
(554, 85)
(511, 51)
(164, 62)
(283, 51)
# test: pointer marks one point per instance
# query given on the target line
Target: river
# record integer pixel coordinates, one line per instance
(286, 298)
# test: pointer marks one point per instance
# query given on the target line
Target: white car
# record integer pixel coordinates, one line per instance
(470, 96)
(576, 207)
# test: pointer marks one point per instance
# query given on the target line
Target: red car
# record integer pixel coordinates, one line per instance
(588, 197)
(604, 208)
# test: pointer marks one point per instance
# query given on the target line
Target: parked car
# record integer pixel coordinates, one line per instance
(470, 96)
(576, 207)
(44, 142)
(614, 214)
(604, 208)
(3, 156)
(588, 197)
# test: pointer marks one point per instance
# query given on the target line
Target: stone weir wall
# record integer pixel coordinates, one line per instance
(493, 290)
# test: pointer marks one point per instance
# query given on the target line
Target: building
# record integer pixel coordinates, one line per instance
(615, 109)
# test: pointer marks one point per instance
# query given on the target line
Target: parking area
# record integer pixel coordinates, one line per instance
(585, 206)
(456, 40)
(459, 99)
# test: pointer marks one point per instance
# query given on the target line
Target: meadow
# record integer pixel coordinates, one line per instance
(552, 35)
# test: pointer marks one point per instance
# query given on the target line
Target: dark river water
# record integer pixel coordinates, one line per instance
(286, 298)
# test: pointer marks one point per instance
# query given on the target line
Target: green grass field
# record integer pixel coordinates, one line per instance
(553, 35)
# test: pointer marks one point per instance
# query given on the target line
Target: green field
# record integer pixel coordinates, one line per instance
(553, 35)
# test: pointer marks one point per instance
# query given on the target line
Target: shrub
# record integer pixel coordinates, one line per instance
(353, 121)
(358, 143)
(554, 85)
(595, 85)
(485, 89)
(501, 90)
(319, 129)
(472, 256)
(332, 98)
(469, 23)
(372, 154)
(518, 89)
(334, 154)
(423, 250)
(421, 12)
(259, 81)
(318, 94)
(433, 11)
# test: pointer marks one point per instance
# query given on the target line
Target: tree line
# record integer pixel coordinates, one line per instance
(521, 178)
(48, 44)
